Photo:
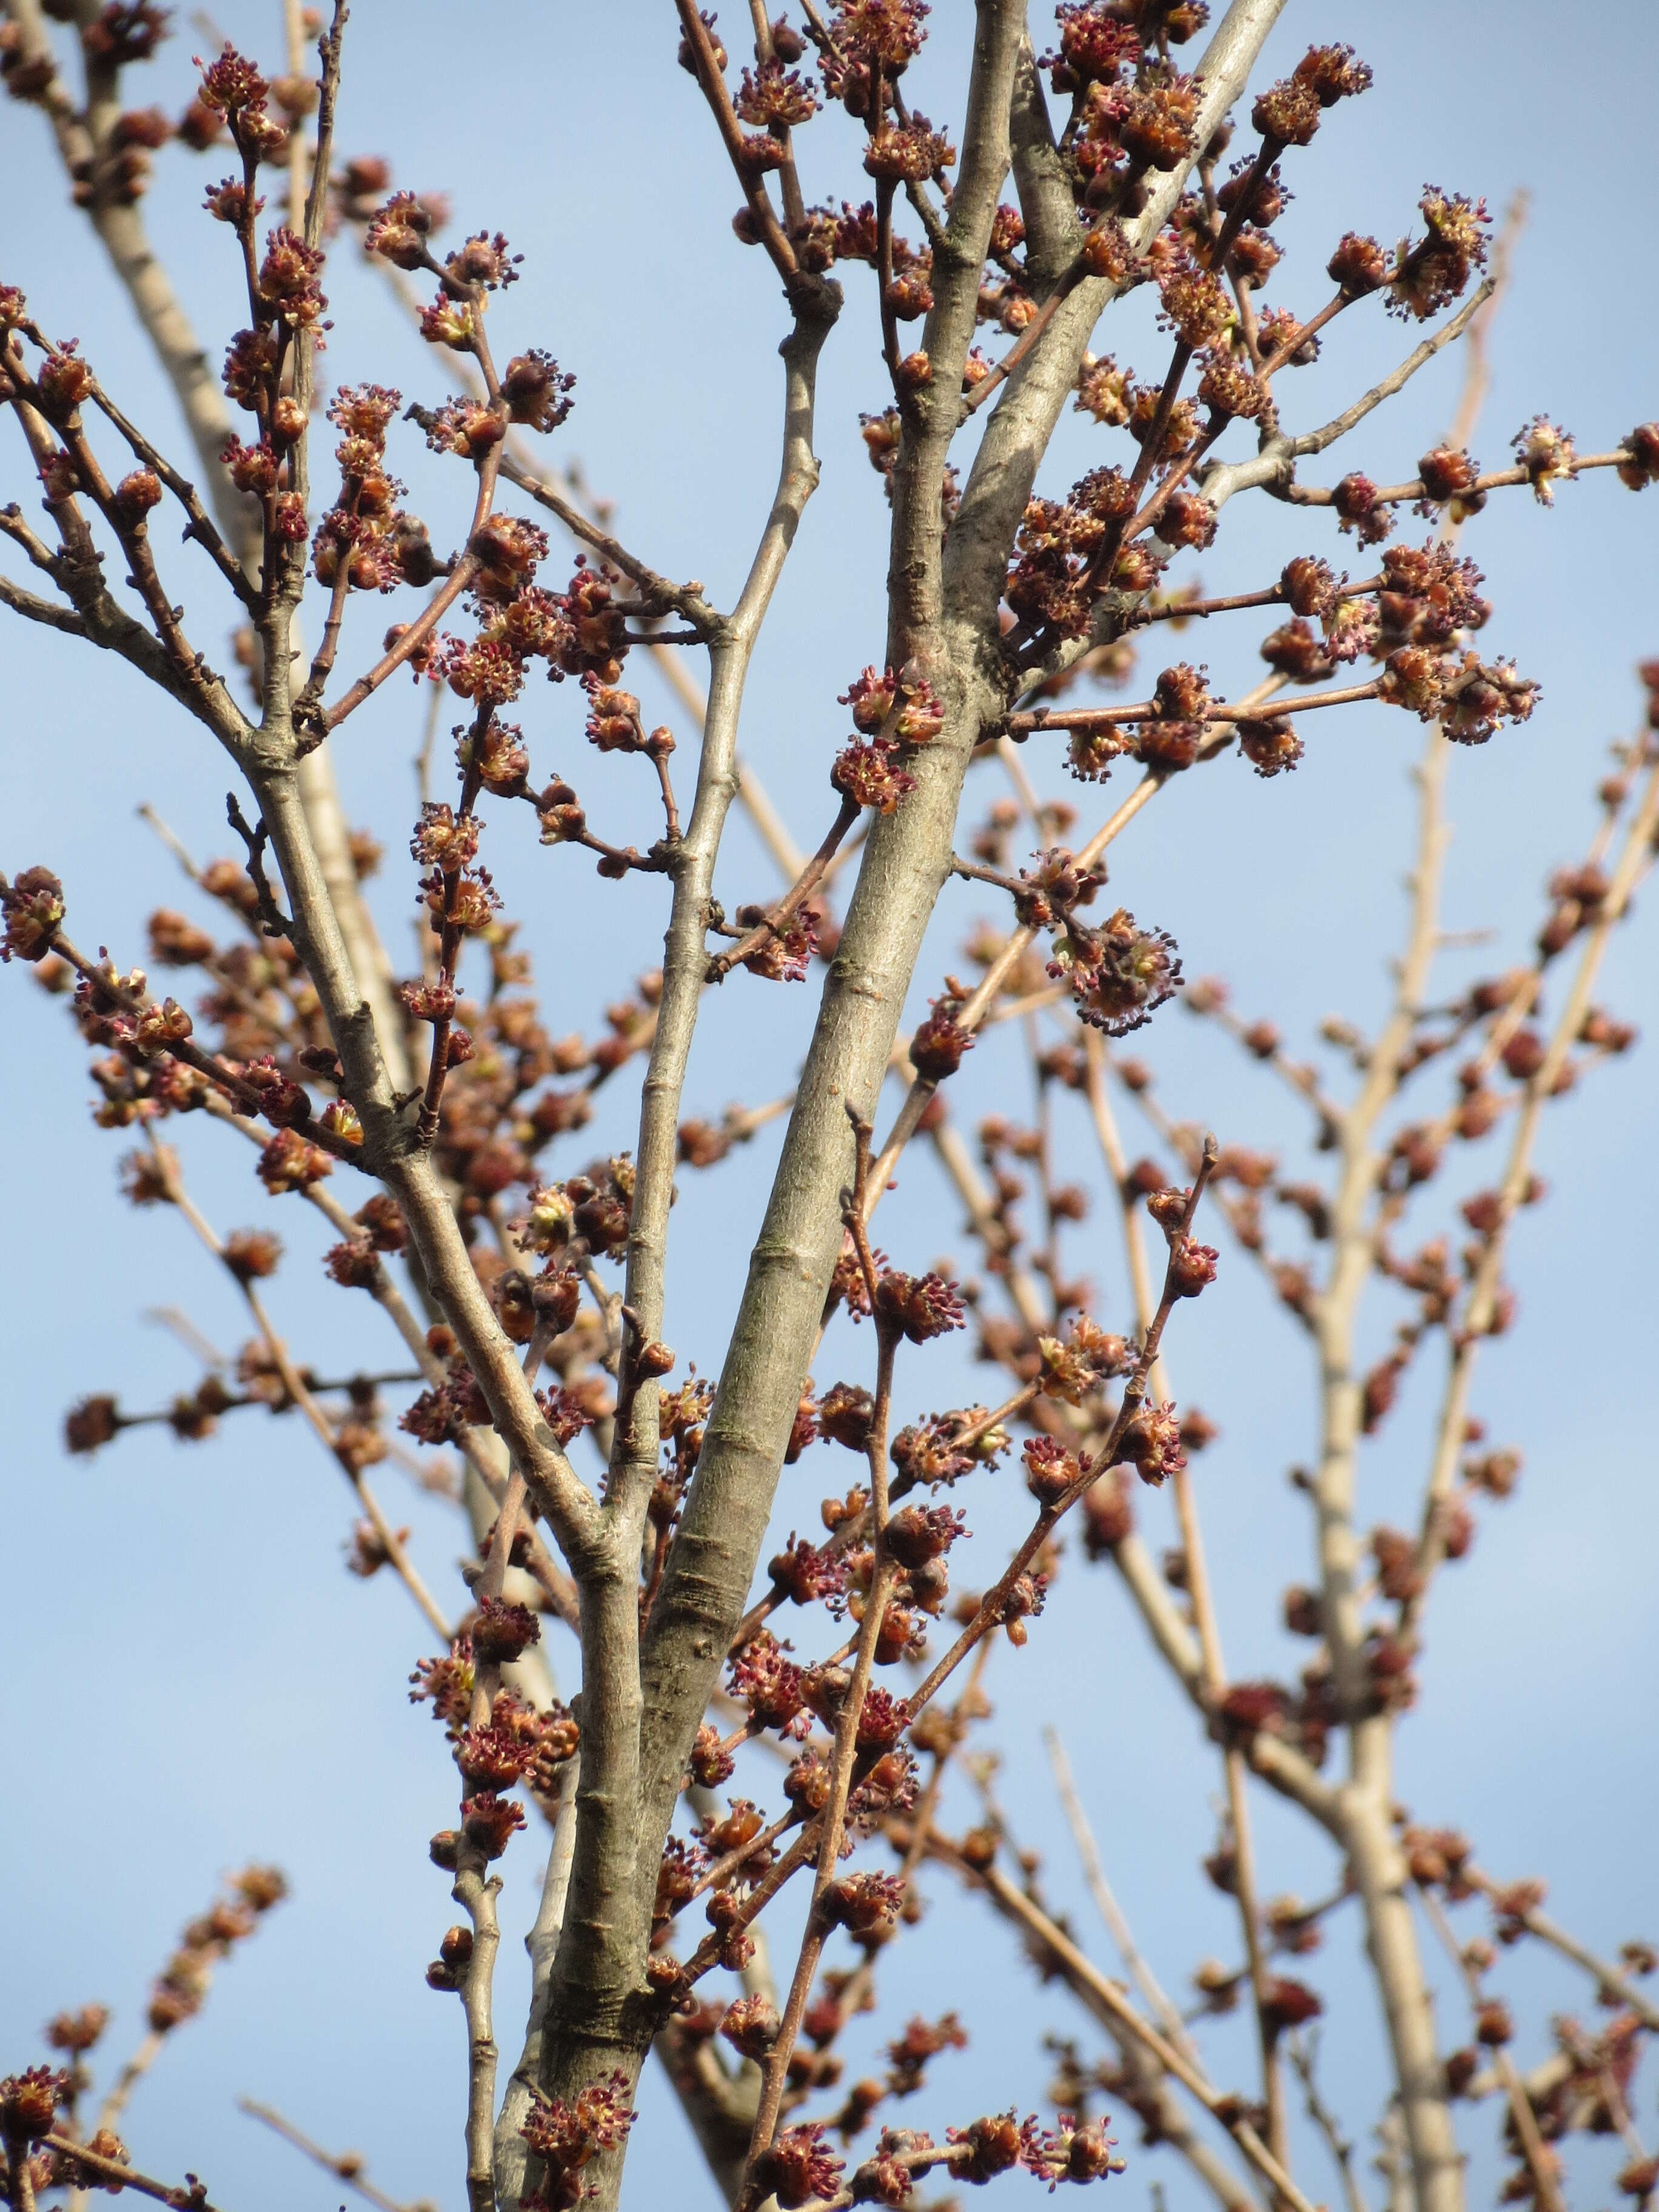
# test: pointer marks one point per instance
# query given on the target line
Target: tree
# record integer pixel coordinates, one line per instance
(497, 1262)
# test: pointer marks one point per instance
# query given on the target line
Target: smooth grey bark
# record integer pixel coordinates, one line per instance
(944, 611)
(599, 2018)
(207, 418)
(512, 2156)
(634, 1458)
(1378, 1867)
(905, 862)
(1046, 200)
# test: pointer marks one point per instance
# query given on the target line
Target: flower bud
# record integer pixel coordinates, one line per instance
(33, 907)
(339, 1118)
(1192, 1267)
(501, 1631)
(135, 496)
(939, 1043)
(1050, 1469)
(63, 383)
(29, 2102)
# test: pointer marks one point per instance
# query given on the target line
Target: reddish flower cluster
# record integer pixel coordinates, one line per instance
(770, 1685)
(917, 1307)
(869, 776)
(567, 2137)
(1081, 578)
(796, 2167)
(1431, 273)
(1119, 975)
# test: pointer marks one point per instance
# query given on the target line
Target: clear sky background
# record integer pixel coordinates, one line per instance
(193, 1678)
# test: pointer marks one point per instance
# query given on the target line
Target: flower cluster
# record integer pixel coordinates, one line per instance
(567, 2137)
(366, 533)
(770, 1683)
(917, 1307)
(798, 2167)
(1435, 271)
(1119, 975)
(1084, 1419)
(1068, 551)
(869, 776)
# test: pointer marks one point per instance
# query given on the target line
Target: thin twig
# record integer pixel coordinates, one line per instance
(1080, 1971)
(1100, 1889)
(1302, 2052)
(115, 2172)
(1540, 2161)
(345, 2165)
(294, 1384)
(1606, 1977)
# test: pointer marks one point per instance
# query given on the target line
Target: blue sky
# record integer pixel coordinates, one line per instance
(198, 1681)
